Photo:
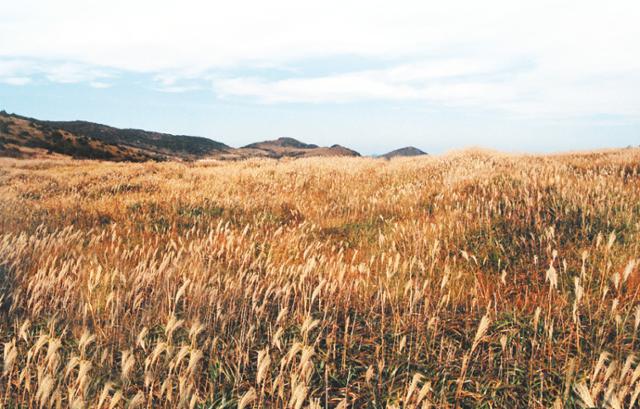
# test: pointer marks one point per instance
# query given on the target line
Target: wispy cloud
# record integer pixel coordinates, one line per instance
(455, 81)
(99, 84)
(15, 72)
(21, 71)
(71, 73)
(171, 82)
(506, 86)
(15, 80)
(580, 56)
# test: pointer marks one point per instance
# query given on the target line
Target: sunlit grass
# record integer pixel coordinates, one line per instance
(469, 280)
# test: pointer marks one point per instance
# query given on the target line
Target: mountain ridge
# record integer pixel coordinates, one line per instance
(22, 136)
(404, 152)
(283, 142)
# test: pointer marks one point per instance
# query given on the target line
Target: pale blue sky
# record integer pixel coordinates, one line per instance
(372, 75)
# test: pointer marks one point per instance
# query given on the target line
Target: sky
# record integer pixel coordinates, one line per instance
(536, 76)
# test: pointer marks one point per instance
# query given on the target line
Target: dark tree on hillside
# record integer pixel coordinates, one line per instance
(57, 136)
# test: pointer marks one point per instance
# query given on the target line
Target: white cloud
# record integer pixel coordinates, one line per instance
(341, 88)
(15, 80)
(70, 73)
(175, 83)
(177, 89)
(440, 81)
(584, 54)
(54, 71)
(14, 72)
(13, 67)
(525, 91)
(99, 84)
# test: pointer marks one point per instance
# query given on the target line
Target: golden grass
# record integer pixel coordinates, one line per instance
(474, 279)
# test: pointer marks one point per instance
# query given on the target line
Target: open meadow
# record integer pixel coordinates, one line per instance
(468, 280)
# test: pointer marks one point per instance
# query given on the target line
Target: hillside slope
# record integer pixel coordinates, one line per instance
(28, 137)
(182, 146)
(291, 148)
(281, 143)
(406, 151)
(25, 138)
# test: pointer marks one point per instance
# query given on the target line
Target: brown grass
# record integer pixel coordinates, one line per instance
(468, 280)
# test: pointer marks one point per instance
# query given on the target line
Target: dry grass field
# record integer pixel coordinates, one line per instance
(471, 280)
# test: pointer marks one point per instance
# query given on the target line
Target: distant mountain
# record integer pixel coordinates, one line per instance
(281, 143)
(28, 137)
(22, 137)
(289, 148)
(340, 150)
(406, 151)
(180, 146)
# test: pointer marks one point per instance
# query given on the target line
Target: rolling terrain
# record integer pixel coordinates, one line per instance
(170, 146)
(31, 138)
(468, 280)
(26, 138)
(292, 148)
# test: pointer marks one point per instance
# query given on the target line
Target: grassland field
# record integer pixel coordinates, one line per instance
(468, 280)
